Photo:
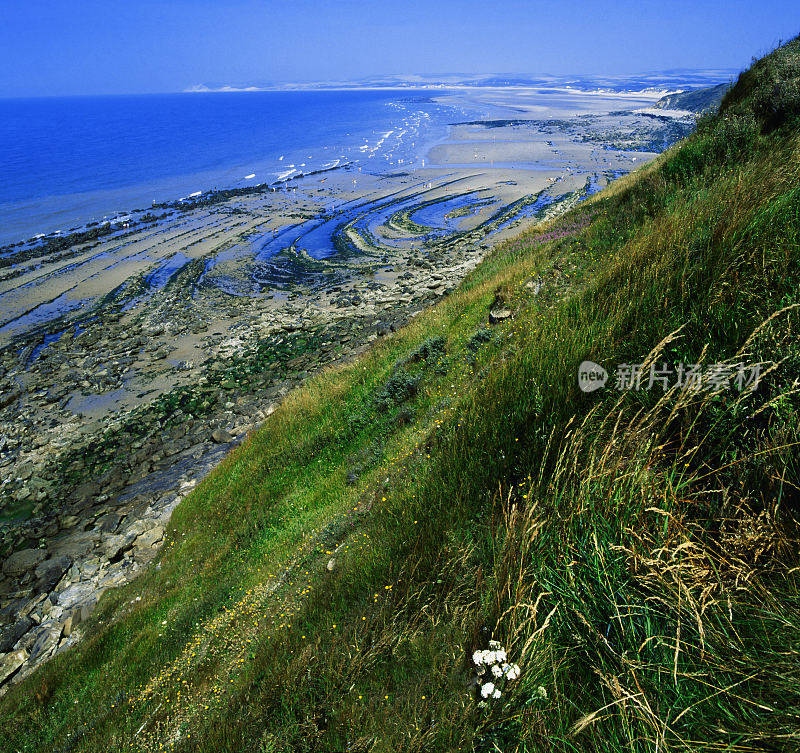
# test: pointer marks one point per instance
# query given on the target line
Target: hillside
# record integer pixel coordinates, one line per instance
(634, 551)
(700, 101)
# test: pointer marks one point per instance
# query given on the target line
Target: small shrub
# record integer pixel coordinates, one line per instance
(356, 423)
(479, 339)
(432, 348)
(401, 386)
(404, 417)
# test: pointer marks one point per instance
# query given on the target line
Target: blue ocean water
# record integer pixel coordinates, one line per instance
(67, 161)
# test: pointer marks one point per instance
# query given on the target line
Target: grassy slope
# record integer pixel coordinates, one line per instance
(635, 552)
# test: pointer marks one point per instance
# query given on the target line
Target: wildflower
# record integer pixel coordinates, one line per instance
(511, 671)
(501, 672)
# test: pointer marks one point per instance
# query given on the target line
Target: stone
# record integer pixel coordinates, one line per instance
(75, 594)
(31, 604)
(109, 523)
(53, 612)
(220, 436)
(498, 315)
(87, 490)
(46, 639)
(89, 568)
(86, 610)
(23, 561)
(151, 538)
(72, 621)
(118, 544)
(6, 398)
(331, 565)
(112, 579)
(10, 663)
(21, 494)
(75, 545)
(8, 614)
(534, 286)
(139, 527)
(10, 635)
(50, 572)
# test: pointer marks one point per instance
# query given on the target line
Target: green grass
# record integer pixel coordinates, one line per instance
(636, 552)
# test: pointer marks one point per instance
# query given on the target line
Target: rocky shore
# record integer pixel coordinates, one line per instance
(100, 497)
(132, 359)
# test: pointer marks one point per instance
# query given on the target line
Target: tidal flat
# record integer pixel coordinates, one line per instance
(134, 357)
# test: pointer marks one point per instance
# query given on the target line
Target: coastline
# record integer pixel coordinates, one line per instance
(119, 406)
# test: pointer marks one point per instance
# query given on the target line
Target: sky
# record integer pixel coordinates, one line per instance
(66, 47)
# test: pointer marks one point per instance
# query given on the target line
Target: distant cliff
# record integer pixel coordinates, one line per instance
(697, 100)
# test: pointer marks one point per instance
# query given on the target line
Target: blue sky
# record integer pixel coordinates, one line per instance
(58, 47)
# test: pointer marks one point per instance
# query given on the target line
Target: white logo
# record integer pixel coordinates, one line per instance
(591, 376)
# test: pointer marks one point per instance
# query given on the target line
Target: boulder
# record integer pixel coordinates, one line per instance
(151, 538)
(10, 663)
(109, 522)
(498, 315)
(85, 611)
(89, 568)
(139, 527)
(86, 491)
(220, 436)
(47, 636)
(76, 546)
(117, 544)
(74, 595)
(11, 634)
(73, 618)
(534, 286)
(50, 572)
(23, 561)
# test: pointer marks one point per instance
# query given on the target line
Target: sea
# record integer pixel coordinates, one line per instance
(65, 162)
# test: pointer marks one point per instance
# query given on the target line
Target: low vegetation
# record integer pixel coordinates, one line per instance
(634, 552)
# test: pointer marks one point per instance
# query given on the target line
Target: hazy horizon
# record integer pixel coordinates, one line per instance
(60, 49)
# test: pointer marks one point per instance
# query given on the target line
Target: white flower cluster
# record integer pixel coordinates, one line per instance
(493, 668)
